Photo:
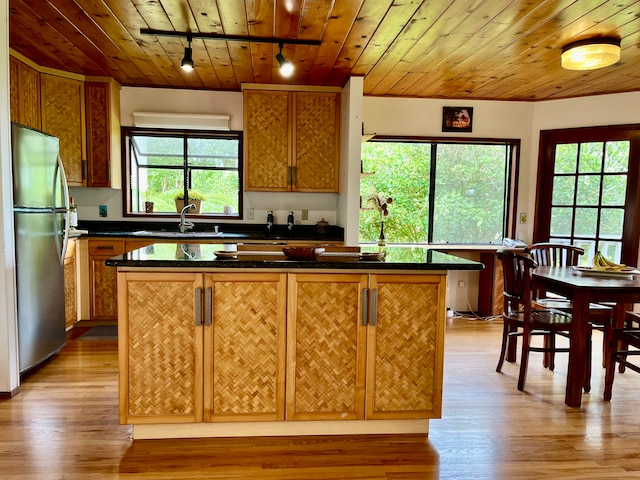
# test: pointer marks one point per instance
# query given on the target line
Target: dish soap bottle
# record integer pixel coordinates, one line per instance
(73, 214)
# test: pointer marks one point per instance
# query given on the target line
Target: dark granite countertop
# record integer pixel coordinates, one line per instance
(193, 255)
(236, 232)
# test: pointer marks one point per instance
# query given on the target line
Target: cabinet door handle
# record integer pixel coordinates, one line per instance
(208, 310)
(198, 306)
(374, 307)
(288, 175)
(295, 176)
(365, 306)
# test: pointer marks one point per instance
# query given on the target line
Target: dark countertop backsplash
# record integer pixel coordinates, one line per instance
(237, 231)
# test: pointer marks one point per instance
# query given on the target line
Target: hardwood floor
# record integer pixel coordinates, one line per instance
(64, 425)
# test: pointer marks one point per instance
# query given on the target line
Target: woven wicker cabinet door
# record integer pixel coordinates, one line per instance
(245, 348)
(405, 348)
(25, 94)
(98, 134)
(326, 349)
(63, 117)
(267, 141)
(317, 141)
(160, 348)
(14, 89)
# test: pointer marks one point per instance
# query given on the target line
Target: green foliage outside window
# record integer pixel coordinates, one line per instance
(163, 165)
(467, 196)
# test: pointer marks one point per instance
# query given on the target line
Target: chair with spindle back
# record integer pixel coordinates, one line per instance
(521, 319)
(562, 255)
(623, 348)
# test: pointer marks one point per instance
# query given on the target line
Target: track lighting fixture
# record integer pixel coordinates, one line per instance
(187, 60)
(286, 67)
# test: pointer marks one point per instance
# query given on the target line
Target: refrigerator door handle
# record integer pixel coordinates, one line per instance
(65, 196)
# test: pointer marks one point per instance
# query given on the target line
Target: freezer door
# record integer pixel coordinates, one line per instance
(35, 159)
(40, 287)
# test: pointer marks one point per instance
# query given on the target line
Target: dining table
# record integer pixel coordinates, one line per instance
(583, 286)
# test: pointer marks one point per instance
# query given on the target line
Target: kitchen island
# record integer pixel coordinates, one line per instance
(217, 344)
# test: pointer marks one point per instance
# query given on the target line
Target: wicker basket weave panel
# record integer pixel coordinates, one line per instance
(315, 145)
(267, 139)
(105, 295)
(406, 347)
(14, 89)
(245, 347)
(162, 353)
(70, 308)
(29, 96)
(326, 348)
(63, 117)
(97, 108)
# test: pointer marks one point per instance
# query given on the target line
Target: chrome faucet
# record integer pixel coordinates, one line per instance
(184, 225)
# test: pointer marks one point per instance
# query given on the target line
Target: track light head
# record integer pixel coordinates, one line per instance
(187, 60)
(286, 67)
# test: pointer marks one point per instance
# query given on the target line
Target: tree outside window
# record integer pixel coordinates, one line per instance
(163, 166)
(443, 191)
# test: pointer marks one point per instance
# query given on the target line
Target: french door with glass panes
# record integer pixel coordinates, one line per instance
(587, 193)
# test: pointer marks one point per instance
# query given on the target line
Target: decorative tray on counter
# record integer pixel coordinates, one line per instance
(627, 272)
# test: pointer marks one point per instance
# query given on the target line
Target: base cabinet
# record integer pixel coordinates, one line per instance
(70, 285)
(160, 347)
(271, 347)
(103, 302)
(365, 346)
(200, 347)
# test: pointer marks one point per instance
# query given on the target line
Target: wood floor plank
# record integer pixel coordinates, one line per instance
(64, 425)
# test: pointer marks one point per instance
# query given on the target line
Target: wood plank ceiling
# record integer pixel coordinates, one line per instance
(475, 49)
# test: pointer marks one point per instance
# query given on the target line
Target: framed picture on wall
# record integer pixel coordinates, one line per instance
(457, 119)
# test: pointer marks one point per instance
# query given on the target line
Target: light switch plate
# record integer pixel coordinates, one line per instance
(305, 214)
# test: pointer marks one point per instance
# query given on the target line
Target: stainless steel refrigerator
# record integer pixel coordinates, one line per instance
(41, 201)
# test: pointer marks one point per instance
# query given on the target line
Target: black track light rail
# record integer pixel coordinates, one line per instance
(234, 38)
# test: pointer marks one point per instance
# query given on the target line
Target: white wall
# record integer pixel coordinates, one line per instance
(9, 379)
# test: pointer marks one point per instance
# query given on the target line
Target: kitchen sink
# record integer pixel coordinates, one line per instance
(174, 234)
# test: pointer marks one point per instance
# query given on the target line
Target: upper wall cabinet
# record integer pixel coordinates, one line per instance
(24, 94)
(84, 113)
(63, 117)
(292, 140)
(102, 101)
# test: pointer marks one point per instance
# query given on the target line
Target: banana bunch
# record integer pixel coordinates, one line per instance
(600, 262)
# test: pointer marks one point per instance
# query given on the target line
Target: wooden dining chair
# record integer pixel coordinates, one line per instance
(521, 319)
(624, 350)
(563, 255)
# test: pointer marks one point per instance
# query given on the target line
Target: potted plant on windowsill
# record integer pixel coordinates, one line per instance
(195, 197)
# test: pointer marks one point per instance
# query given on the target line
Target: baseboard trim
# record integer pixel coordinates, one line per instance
(9, 395)
(272, 429)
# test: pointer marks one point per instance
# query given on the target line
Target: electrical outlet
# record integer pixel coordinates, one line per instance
(102, 209)
(249, 213)
(523, 218)
(305, 214)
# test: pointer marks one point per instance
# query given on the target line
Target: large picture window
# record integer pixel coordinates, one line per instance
(163, 166)
(442, 191)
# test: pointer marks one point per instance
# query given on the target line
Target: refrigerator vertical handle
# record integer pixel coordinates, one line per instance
(65, 196)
